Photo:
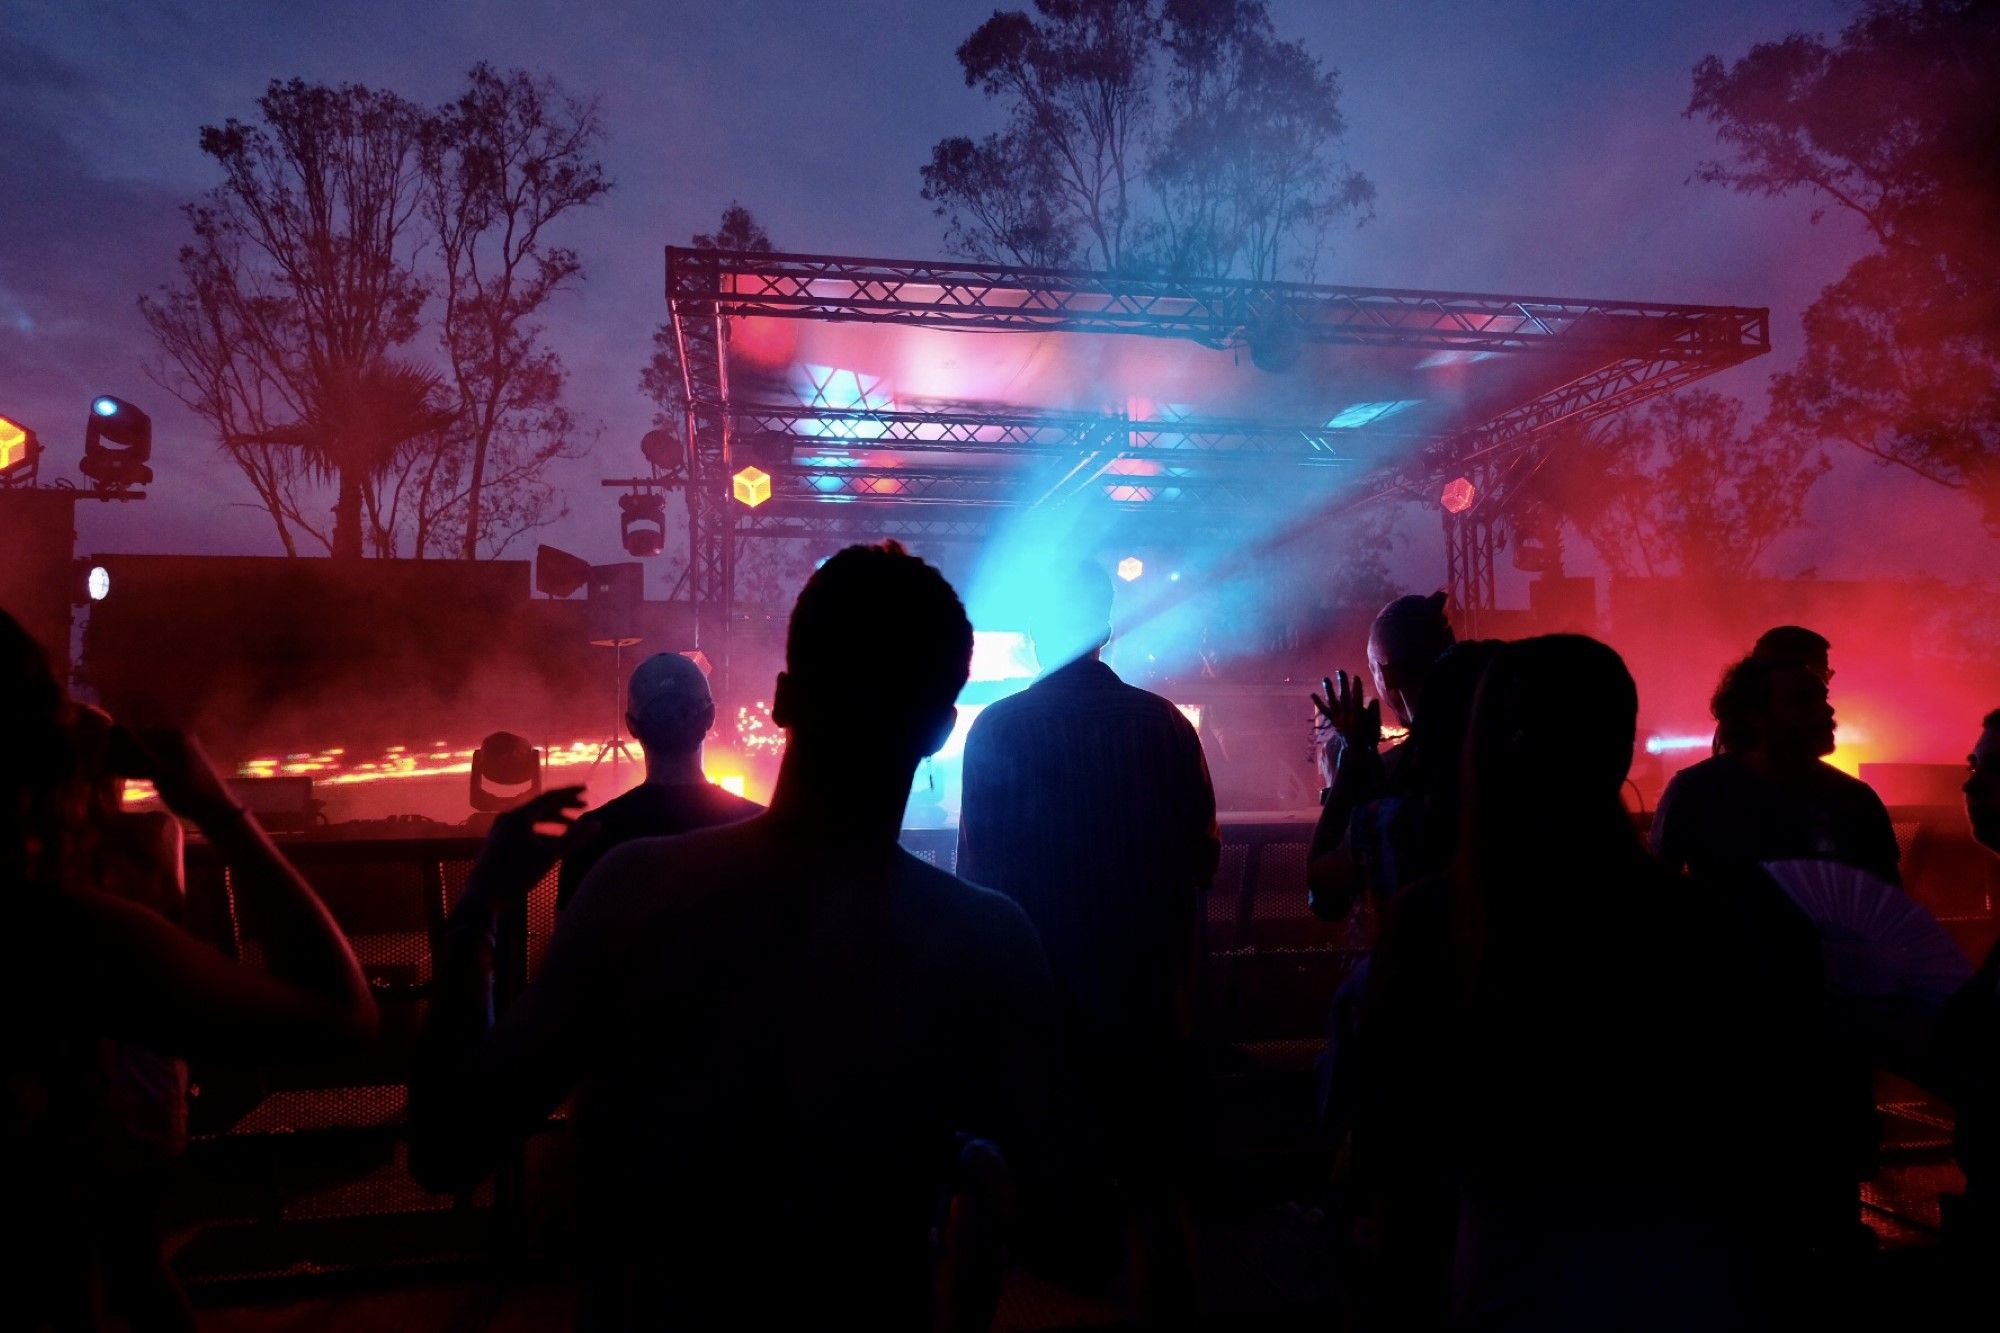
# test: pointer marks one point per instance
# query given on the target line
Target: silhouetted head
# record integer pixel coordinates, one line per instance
(1795, 645)
(1778, 708)
(1072, 615)
(1982, 784)
(668, 707)
(1552, 727)
(1440, 732)
(878, 650)
(39, 791)
(1408, 636)
(1544, 820)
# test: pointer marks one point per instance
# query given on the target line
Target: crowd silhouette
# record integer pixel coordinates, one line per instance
(819, 1081)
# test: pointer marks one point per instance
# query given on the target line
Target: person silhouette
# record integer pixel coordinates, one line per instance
(92, 970)
(669, 711)
(1968, 1035)
(1768, 794)
(1556, 955)
(1405, 641)
(1088, 801)
(783, 1028)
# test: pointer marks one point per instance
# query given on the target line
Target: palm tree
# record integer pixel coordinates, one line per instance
(365, 416)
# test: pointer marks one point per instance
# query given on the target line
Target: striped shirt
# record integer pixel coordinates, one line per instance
(1088, 802)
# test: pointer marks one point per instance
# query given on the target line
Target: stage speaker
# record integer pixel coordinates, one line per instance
(1561, 605)
(617, 592)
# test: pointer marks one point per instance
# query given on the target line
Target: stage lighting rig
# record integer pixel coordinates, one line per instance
(642, 522)
(20, 453)
(117, 442)
(506, 770)
(664, 450)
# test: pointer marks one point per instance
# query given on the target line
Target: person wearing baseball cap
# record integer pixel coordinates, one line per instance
(669, 711)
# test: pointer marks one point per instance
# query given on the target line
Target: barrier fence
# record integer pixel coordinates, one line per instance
(301, 1169)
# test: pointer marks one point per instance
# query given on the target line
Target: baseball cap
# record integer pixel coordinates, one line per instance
(666, 687)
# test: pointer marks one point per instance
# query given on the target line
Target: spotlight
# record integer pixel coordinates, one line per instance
(1458, 496)
(1538, 543)
(117, 441)
(663, 449)
(98, 583)
(768, 450)
(751, 486)
(1130, 568)
(504, 760)
(1276, 341)
(20, 453)
(642, 521)
(558, 573)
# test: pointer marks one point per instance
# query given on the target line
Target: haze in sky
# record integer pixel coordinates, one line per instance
(1533, 147)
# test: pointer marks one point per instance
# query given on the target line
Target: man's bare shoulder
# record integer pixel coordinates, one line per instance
(963, 914)
(642, 876)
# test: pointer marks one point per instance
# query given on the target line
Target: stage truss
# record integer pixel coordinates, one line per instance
(948, 470)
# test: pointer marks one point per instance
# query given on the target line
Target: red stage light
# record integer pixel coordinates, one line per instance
(1458, 496)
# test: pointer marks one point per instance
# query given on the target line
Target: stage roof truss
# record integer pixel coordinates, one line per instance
(950, 468)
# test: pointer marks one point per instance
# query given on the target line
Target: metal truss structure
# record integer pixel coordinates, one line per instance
(952, 469)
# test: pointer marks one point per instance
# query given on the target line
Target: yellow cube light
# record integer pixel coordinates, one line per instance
(1130, 568)
(752, 486)
(17, 445)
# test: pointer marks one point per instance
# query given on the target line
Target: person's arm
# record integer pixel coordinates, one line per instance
(977, 797)
(1349, 734)
(580, 851)
(144, 981)
(1207, 830)
(1668, 818)
(1064, 1214)
(1404, 1208)
(1879, 850)
(478, 1084)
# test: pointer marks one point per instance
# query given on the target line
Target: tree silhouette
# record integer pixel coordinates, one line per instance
(1175, 136)
(508, 158)
(1681, 486)
(661, 379)
(1897, 124)
(351, 223)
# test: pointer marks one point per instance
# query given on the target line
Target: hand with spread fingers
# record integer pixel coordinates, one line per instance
(1343, 719)
(522, 846)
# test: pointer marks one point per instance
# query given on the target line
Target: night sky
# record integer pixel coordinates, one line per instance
(1523, 147)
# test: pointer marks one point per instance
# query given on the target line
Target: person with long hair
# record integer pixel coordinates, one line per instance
(1546, 1030)
(85, 966)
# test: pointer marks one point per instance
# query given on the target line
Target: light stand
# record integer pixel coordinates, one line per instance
(612, 613)
(615, 745)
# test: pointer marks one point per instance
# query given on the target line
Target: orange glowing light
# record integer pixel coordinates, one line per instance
(751, 486)
(16, 445)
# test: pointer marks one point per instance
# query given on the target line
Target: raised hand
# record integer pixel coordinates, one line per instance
(179, 769)
(1346, 713)
(524, 843)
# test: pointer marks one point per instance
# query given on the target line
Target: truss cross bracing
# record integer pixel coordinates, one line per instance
(927, 400)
